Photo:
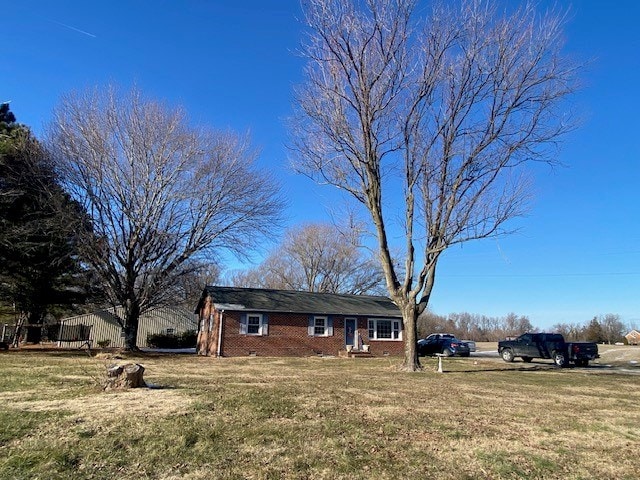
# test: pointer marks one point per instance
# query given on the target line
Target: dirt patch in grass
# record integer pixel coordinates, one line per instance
(104, 407)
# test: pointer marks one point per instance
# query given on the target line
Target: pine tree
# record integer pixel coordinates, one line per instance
(39, 267)
(593, 332)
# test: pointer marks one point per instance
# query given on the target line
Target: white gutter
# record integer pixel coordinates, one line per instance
(219, 349)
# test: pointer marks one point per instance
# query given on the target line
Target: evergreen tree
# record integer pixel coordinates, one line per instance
(594, 332)
(7, 118)
(39, 267)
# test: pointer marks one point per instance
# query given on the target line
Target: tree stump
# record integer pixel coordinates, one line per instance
(120, 377)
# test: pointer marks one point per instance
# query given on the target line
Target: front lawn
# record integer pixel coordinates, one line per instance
(269, 418)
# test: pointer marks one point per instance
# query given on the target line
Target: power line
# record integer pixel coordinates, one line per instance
(529, 275)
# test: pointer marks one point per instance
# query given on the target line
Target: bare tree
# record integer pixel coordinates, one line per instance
(188, 289)
(613, 329)
(317, 257)
(430, 121)
(163, 196)
(570, 331)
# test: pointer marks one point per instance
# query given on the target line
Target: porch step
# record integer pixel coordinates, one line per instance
(354, 354)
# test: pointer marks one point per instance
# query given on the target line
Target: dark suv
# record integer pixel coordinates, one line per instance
(444, 344)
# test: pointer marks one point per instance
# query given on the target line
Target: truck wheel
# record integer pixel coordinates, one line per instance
(527, 359)
(507, 355)
(559, 358)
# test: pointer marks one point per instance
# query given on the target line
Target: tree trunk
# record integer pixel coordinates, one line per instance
(132, 318)
(411, 361)
(125, 376)
(130, 337)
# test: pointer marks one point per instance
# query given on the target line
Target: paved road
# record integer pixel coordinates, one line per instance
(632, 369)
(486, 354)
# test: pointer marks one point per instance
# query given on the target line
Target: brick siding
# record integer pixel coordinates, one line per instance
(287, 336)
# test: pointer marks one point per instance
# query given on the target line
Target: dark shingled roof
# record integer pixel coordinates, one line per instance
(290, 301)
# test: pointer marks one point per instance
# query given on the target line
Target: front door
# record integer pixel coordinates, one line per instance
(349, 331)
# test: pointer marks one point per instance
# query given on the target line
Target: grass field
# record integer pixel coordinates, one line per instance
(315, 418)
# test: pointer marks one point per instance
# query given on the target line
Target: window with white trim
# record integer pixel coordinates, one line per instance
(253, 324)
(320, 326)
(384, 329)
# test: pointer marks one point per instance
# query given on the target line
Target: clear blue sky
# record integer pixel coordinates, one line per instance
(233, 65)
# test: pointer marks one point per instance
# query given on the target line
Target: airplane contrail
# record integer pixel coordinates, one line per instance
(74, 29)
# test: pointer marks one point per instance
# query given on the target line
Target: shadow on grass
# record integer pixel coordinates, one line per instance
(534, 368)
(153, 386)
(547, 368)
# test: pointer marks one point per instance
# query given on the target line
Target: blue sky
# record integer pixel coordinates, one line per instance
(233, 65)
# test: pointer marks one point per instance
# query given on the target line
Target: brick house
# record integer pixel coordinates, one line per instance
(253, 321)
(633, 337)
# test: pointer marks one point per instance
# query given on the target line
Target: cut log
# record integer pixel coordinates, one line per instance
(129, 375)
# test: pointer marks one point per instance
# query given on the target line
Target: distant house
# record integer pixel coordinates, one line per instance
(633, 337)
(252, 321)
(103, 325)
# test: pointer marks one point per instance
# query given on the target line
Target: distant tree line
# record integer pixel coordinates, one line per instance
(607, 328)
(480, 328)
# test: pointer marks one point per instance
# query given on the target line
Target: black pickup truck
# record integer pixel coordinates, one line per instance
(548, 345)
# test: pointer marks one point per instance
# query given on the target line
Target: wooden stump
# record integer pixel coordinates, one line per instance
(129, 375)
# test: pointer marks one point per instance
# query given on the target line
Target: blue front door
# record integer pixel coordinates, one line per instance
(349, 331)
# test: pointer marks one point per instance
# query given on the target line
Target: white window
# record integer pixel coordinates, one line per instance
(320, 326)
(253, 324)
(384, 329)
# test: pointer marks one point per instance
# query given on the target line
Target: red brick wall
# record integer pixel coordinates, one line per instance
(207, 343)
(287, 336)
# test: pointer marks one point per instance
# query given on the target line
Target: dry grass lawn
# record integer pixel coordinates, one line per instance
(268, 418)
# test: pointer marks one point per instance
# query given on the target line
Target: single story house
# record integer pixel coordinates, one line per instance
(633, 337)
(103, 325)
(253, 321)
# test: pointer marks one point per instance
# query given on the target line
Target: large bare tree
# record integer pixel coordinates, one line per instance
(317, 257)
(613, 329)
(162, 195)
(430, 121)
